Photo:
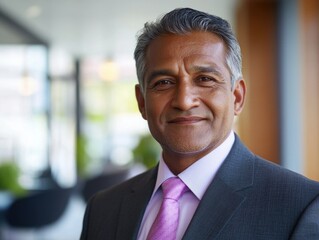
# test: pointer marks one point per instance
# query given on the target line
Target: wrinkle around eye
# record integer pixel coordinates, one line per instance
(209, 81)
(206, 81)
(161, 84)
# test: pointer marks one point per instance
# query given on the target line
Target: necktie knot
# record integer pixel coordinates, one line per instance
(173, 188)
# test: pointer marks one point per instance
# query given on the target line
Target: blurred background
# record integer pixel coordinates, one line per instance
(69, 124)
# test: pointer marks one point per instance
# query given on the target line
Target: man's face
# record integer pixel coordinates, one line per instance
(188, 100)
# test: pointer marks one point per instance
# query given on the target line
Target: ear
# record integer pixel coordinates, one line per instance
(239, 93)
(140, 100)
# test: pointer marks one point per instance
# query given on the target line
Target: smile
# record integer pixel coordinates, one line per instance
(186, 120)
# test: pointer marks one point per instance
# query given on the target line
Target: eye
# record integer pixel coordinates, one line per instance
(206, 80)
(162, 84)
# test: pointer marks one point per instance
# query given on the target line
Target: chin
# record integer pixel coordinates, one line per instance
(187, 149)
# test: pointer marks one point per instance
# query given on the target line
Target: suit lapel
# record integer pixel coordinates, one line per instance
(133, 206)
(223, 196)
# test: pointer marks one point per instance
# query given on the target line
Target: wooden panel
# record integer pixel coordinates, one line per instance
(309, 32)
(258, 126)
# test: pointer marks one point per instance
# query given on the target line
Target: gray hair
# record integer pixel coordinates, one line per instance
(185, 20)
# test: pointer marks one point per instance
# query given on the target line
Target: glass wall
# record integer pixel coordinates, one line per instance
(62, 118)
(24, 108)
(111, 123)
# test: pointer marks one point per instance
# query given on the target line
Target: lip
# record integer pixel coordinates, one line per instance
(186, 120)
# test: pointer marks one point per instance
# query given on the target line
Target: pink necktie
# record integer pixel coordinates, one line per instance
(166, 221)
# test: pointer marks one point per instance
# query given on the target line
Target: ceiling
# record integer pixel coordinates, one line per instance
(99, 27)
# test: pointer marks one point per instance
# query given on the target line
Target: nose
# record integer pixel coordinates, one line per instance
(185, 96)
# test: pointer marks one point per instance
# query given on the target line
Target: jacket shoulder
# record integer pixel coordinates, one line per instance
(117, 191)
(288, 181)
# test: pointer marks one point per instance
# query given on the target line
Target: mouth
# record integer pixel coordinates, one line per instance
(186, 120)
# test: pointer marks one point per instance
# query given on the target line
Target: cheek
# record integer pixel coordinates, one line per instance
(218, 101)
(154, 109)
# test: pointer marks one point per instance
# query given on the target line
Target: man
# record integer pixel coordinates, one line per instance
(190, 88)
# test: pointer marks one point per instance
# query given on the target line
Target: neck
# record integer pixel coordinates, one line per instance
(177, 163)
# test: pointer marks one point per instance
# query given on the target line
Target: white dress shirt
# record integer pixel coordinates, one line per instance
(197, 177)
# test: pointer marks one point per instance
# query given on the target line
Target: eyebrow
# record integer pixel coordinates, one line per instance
(197, 69)
(208, 69)
(157, 73)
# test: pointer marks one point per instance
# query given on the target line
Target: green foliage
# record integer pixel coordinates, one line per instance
(9, 178)
(147, 151)
(82, 157)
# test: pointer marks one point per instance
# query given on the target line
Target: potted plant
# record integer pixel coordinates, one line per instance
(9, 178)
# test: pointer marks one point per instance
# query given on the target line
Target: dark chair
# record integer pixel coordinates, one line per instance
(103, 181)
(39, 208)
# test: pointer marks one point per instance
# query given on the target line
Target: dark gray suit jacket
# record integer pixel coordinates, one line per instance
(249, 199)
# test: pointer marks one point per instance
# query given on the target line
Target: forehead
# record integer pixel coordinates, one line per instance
(192, 48)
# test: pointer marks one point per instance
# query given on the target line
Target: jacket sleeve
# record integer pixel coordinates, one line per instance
(308, 224)
(85, 227)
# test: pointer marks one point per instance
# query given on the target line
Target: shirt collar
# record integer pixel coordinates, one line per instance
(204, 175)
